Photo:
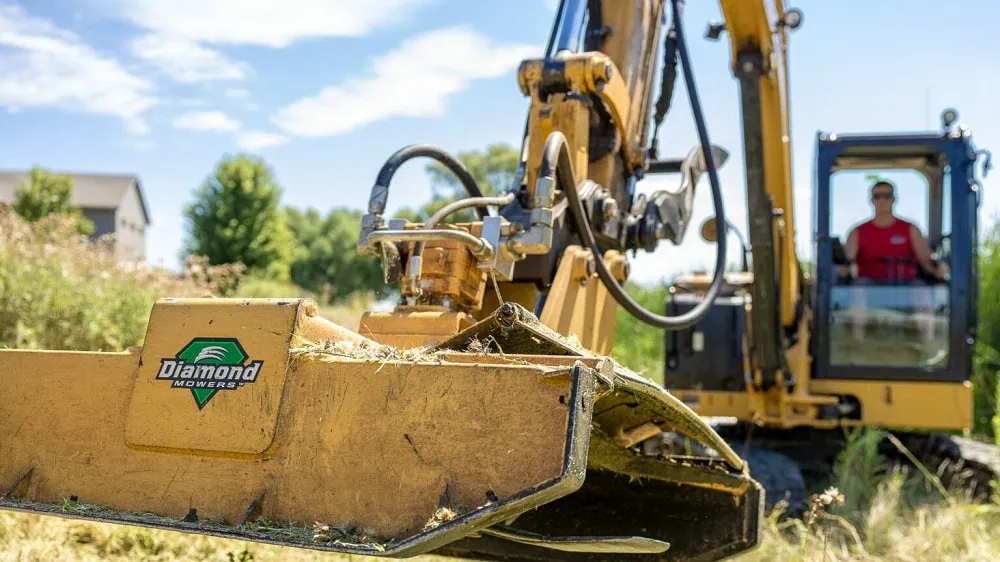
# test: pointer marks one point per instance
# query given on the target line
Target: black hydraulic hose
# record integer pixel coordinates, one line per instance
(667, 81)
(557, 152)
(380, 192)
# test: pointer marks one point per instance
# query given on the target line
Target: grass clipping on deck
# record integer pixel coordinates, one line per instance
(290, 533)
(368, 350)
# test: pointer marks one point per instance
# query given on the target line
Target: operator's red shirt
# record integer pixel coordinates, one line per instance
(886, 253)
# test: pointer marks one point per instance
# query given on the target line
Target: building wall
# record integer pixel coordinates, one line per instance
(130, 228)
(103, 219)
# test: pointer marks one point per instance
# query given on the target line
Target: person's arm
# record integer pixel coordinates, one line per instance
(851, 251)
(851, 247)
(923, 251)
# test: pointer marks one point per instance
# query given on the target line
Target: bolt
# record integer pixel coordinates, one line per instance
(748, 67)
(508, 312)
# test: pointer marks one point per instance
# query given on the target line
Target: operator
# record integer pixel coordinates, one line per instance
(887, 248)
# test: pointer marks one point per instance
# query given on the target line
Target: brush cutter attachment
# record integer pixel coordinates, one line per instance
(258, 420)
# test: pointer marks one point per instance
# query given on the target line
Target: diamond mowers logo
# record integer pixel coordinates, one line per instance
(208, 365)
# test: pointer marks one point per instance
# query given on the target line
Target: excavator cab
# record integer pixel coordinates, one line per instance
(891, 317)
(887, 343)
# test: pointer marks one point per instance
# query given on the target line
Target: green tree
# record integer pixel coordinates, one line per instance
(326, 261)
(237, 218)
(492, 168)
(986, 374)
(44, 193)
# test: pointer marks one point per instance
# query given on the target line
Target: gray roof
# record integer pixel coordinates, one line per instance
(90, 191)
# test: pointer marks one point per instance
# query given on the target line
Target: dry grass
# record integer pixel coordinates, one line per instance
(960, 532)
(70, 294)
(30, 538)
(954, 532)
(59, 290)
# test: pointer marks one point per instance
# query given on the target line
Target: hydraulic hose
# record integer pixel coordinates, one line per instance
(380, 191)
(454, 207)
(461, 204)
(557, 153)
(667, 80)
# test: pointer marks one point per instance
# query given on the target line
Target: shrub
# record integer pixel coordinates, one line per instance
(43, 193)
(59, 290)
(987, 360)
(257, 287)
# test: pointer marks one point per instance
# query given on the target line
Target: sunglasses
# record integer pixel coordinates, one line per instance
(878, 196)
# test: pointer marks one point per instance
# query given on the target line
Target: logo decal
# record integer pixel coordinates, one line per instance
(208, 365)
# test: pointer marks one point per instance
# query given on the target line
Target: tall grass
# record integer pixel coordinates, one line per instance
(59, 290)
(886, 512)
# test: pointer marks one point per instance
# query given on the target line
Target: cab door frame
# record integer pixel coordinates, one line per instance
(956, 147)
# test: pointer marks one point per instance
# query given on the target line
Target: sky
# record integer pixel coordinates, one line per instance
(326, 90)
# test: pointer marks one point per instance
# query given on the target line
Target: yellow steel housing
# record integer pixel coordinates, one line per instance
(236, 410)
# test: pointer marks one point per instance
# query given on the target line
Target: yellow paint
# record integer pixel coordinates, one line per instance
(160, 416)
(568, 116)
(749, 24)
(332, 427)
(925, 405)
(592, 74)
(895, 405)
(578, 303)
(413, 326)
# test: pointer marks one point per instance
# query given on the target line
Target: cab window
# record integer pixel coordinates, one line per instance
(885, 309)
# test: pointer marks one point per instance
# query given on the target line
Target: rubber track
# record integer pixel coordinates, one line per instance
(960, 463)
(781, 478)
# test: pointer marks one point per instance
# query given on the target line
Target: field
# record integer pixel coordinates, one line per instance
(887, 527)
(59, 292)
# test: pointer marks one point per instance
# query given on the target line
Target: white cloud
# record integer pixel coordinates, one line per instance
(190, 102)
(258, 140)
(414, 80)
(237, 93)
(264, 22)
(44, 66)
(207, 121)
(186, 61)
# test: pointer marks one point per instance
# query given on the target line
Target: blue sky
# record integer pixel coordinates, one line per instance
(325, 90)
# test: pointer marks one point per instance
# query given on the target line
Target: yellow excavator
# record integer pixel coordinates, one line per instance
(481, 417)
(787, 361)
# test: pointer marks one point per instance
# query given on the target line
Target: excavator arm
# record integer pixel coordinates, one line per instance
(758, 32)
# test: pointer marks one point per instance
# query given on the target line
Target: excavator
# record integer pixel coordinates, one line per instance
(481, 417)
(790, 363)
